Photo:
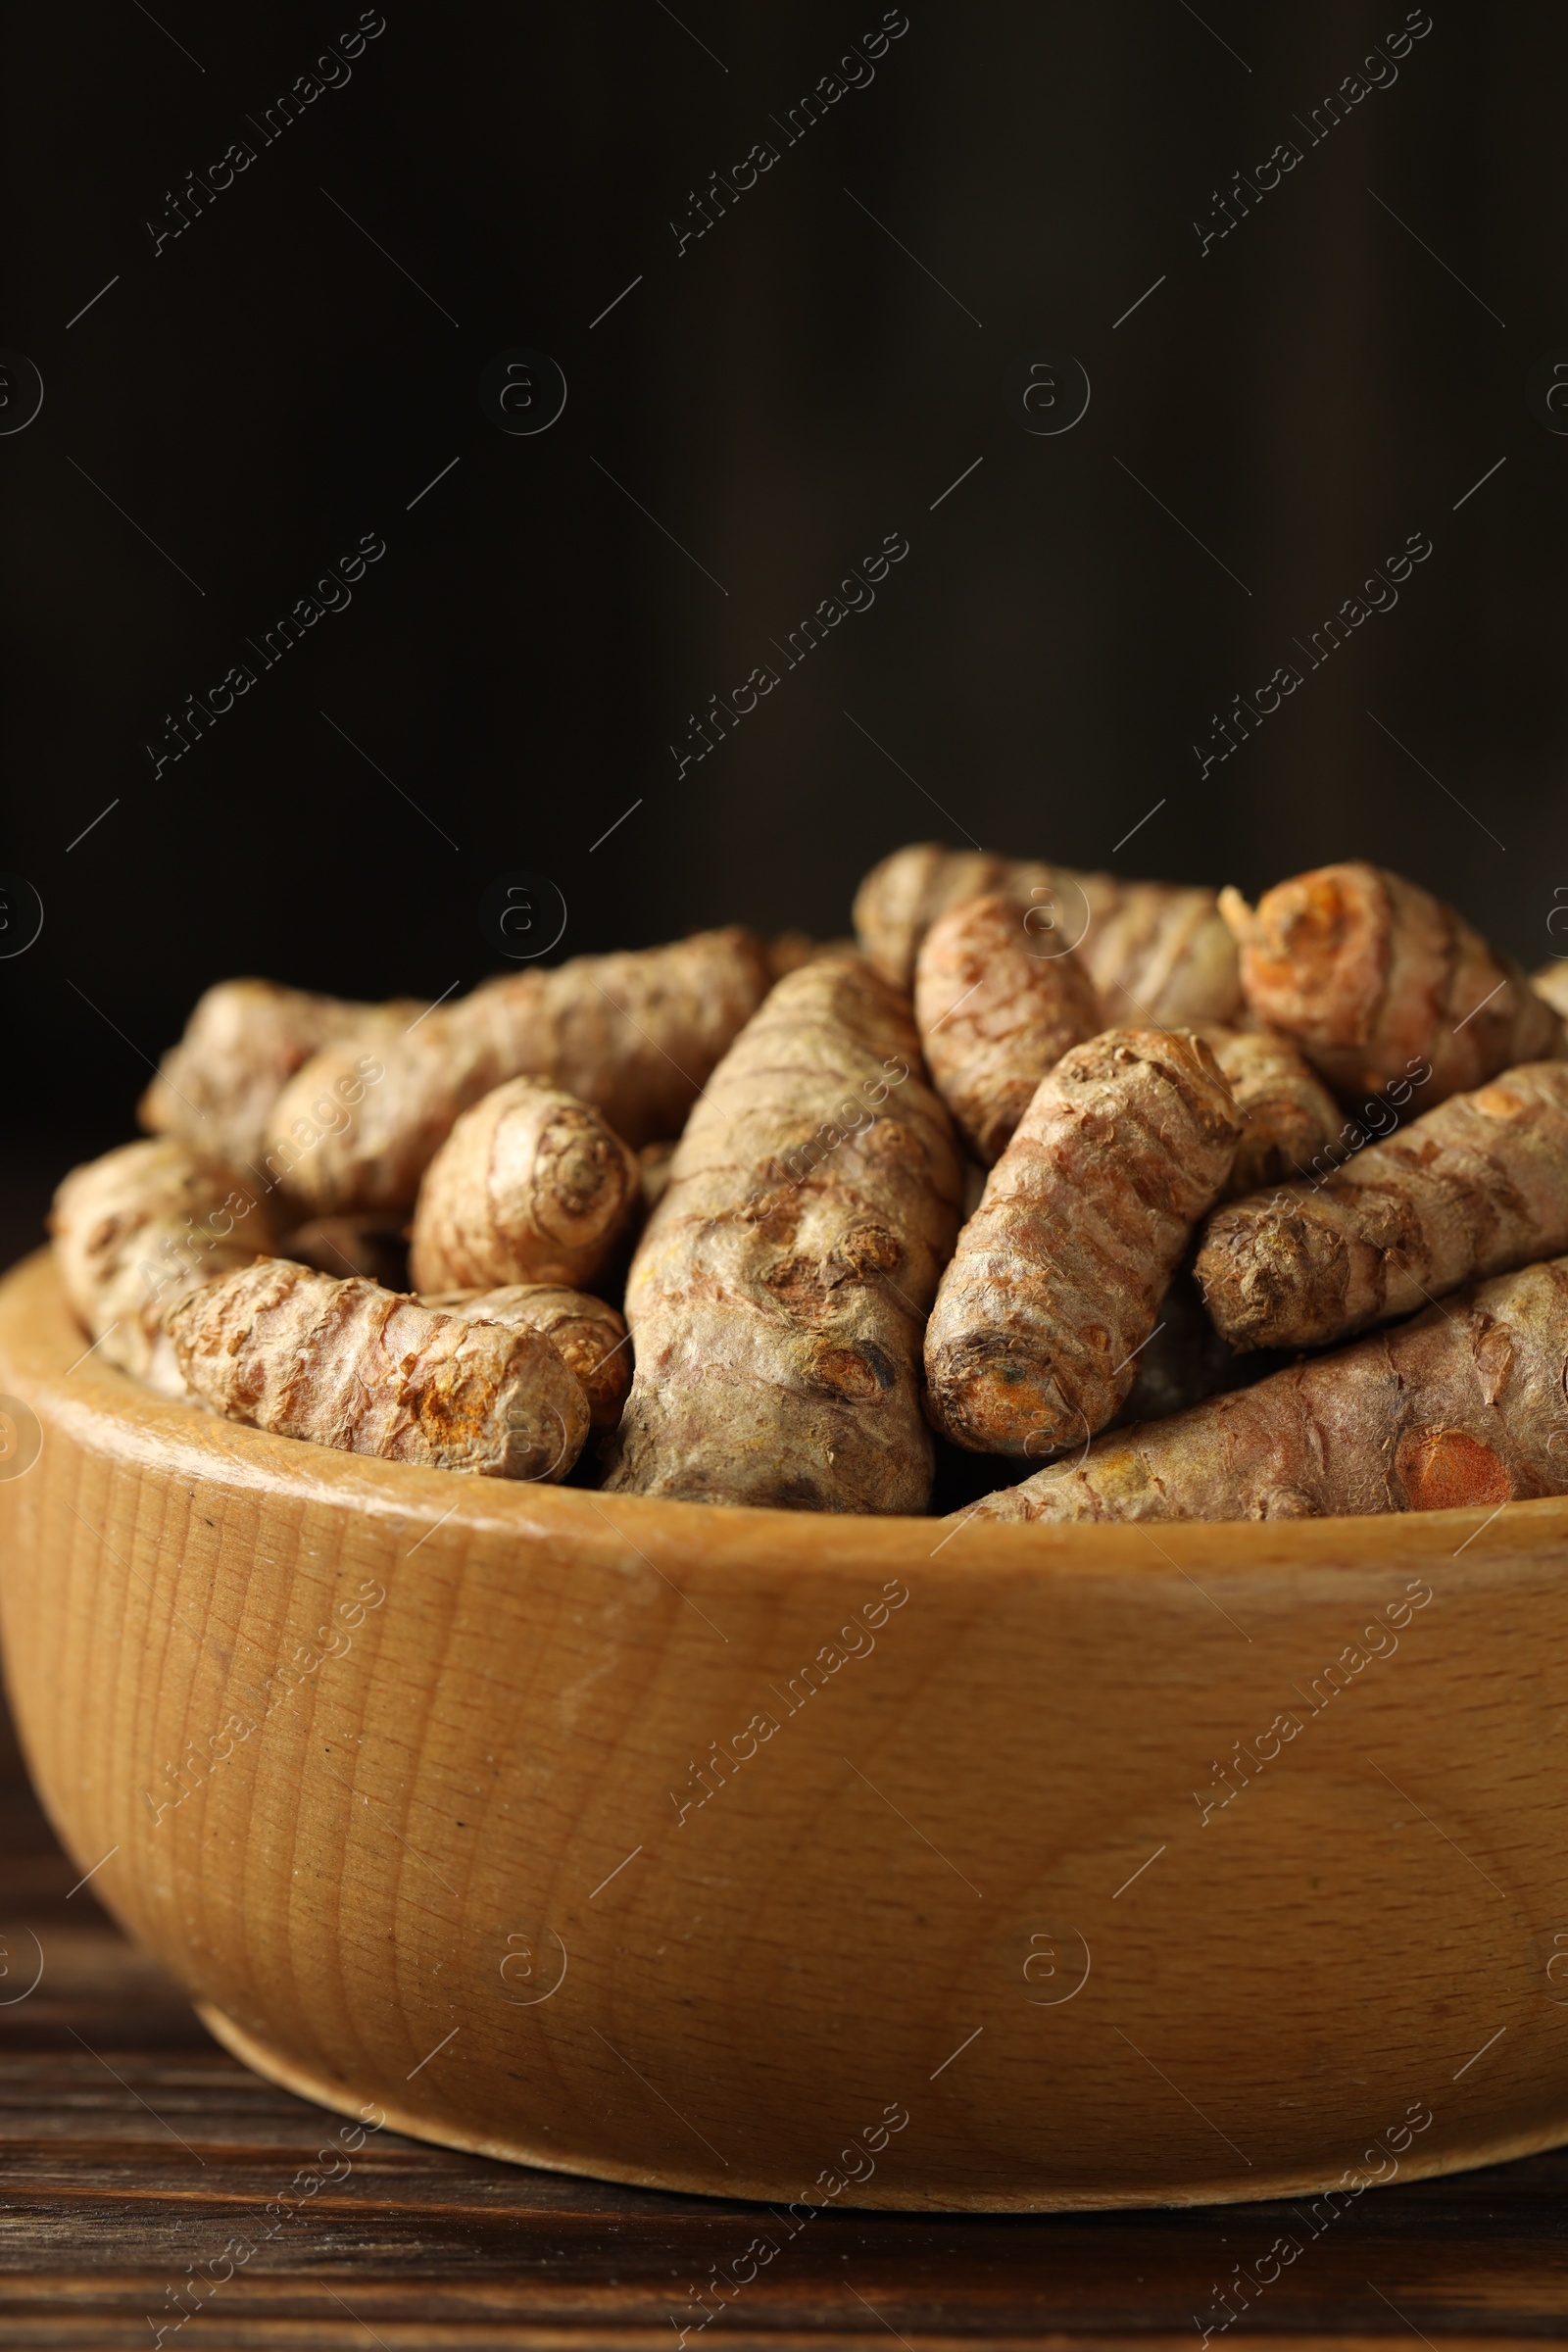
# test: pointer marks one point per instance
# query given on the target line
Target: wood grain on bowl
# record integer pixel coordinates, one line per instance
(836, 1861)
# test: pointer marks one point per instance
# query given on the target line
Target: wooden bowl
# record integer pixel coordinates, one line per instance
(462, 1797)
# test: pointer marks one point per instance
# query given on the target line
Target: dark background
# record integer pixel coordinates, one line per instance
(792, 386)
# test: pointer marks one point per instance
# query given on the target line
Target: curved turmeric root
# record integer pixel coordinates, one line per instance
(996, 1010)
(590, 1337)
(353, 1132)
(777, 1295)
(242, 1045)
(1289, 1118)
(903, 896)
(637, 1035)
(1057, 1280)
(351, 1365)
(139, 1229)
(531, 1186)
(1375, 977)
(1157, 951)
(1472, 1188)
(1462, 1406)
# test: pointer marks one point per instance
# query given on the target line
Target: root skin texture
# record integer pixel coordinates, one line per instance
(139, 1228)
(1288, 1114)
(242, 1045)
(531, 1186)
(587, 1333)
(350, 1365)
(900, 899)
(996, 1012)
(636, 1035)
(777, 1295)
(1472, 1188)
(1462, 1406)
(1057, 1280)
(1375, 978)
(1156, 951)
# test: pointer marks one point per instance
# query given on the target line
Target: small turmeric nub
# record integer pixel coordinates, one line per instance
(586, 1333)
(531, 1186)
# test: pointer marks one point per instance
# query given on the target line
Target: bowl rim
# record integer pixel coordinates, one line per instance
(110, 1413)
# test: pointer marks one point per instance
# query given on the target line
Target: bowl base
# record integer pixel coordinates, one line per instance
(322, 2091)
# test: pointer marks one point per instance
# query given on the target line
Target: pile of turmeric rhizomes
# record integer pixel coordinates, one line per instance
(1086, 1182)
